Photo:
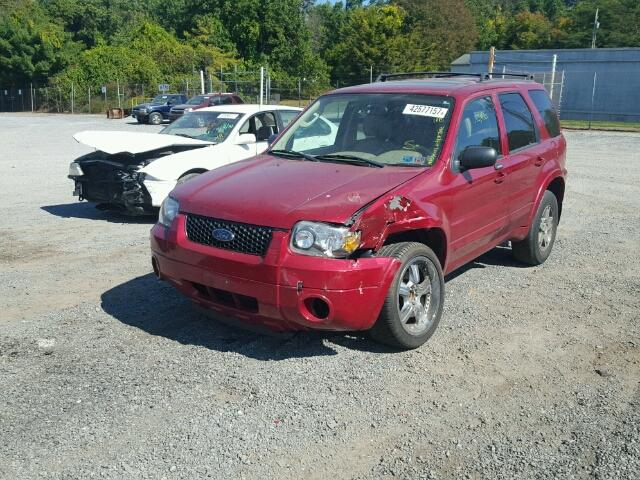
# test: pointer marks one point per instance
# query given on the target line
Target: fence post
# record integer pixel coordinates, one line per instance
(235, 77)
(72, 94)
(553, 74)
(31, 92)
(89, 100)
(261, 85)
(593, 94)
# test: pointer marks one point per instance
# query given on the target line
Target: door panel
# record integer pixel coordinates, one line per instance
(479, 210)
(526, 153)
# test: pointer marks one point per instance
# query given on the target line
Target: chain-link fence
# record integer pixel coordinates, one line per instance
(73, 98)
(582, 96)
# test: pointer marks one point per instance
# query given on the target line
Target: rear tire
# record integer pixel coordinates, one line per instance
(414, 302)
(155, 119)
(536, 247)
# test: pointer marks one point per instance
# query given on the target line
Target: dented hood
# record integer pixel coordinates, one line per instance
(133, 142)
(278, 192)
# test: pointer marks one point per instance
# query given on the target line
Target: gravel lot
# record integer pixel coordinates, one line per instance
(107, 373)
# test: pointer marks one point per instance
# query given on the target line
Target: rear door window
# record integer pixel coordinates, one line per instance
(547, 111)
(518, 120)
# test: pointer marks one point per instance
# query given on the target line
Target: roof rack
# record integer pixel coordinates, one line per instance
(383, 77)
(491, 76)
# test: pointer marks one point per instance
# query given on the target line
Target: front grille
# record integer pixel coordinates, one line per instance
(251, 239)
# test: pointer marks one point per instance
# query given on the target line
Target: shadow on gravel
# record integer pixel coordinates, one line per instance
(90, 212)
(159, 310)
(499, 256)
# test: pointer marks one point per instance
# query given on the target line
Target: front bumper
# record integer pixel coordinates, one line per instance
(142, 117)
(123, 192)
(282, 290)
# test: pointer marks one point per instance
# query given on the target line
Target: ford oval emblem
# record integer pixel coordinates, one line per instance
(223, 235)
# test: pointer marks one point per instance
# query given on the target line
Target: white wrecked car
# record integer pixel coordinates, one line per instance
(134, 172)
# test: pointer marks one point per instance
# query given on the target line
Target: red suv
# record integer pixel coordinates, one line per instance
(202, 101)
(352, 217)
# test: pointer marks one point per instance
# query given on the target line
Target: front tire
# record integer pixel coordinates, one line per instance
(155, 119)
(536, 247)
(414, 302)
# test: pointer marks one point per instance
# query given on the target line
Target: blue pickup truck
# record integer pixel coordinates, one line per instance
(157, 109)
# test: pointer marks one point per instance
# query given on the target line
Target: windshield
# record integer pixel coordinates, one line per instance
(158, 99)
(388, 129)
(209, 126)
(196, 100)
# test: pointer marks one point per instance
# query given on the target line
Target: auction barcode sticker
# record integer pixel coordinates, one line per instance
(228, 115)
(425, 110)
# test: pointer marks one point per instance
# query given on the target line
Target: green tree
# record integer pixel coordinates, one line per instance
(619, 23)
(442, 30)
(31, 46)
(371, 36)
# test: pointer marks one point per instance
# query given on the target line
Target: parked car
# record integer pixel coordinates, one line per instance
(157, 110)
(133, 172)
(423, 176)
(202, 101)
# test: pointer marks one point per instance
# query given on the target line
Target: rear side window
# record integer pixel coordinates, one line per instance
(478, 127)
(547, 112)
(518, 120)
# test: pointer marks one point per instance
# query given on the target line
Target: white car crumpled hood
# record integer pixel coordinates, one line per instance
(132, 142)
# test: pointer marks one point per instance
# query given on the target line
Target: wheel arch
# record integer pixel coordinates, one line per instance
(193, 170)
(556, 186)
(433, 237)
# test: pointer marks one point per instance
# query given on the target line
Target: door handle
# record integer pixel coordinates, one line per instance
(538, 161)
(498, 166)
(500, 177)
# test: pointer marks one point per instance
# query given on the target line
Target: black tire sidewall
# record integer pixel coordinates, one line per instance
(390, 315)
(548, 199)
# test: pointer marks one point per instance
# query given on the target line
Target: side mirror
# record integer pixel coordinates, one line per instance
(478, 157)
(245, 139)
(272, 138)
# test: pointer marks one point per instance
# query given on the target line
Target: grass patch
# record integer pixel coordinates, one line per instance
(601, 125)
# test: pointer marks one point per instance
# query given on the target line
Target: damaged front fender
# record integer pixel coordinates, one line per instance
(393, 214)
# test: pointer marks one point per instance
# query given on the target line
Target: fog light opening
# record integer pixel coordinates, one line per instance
(318, 307)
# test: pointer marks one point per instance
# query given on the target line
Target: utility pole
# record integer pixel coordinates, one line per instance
(202, 82)
(596, 26)
(371, 74)
(492, 59)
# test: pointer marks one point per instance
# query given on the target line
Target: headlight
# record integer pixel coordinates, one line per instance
(75, 170)
(188, 109)
(143, 110)
(323, 240)
(168, 211)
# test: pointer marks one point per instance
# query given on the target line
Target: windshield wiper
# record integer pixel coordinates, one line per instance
(182, 135)
(293, 154)
(351, 159)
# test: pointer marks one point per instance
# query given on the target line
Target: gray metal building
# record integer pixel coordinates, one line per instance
(601, 83)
